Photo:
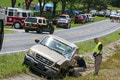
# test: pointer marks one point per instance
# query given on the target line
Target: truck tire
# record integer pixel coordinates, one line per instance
(26, 30)
(39, 31)
(69, 26)
(17, 25)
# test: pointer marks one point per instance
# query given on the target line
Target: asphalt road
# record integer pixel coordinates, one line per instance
(22, 41)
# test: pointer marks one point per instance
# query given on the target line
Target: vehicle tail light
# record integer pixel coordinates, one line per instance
(37, 24)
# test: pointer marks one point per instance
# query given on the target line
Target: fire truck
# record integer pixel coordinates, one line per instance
(16, 16)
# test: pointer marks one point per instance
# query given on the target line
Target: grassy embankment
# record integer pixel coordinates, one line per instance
(11, 64)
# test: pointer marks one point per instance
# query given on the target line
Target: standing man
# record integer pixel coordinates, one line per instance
(98, 50)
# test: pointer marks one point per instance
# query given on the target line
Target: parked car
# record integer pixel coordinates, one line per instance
(85, 17)
(79, 19)
(90, 17)
(82, 18)
(38, 24)
(118, 11)
(64, 21)
(93, 12)
(101, 13)
(51, 56)
(113, 12)
(107, 13)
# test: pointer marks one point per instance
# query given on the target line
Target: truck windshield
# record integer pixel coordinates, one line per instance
(33, 20)
(57, 46)
(62, 16)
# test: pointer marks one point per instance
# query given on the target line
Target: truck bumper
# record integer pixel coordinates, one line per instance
(62, 25)
(39, 67)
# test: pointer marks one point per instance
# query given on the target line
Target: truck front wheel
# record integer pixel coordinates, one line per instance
(17, 25)
(26, 30)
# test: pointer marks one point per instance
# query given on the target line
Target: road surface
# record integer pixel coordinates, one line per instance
(22, 41)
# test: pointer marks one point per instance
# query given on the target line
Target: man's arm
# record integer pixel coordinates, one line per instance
(100, 47)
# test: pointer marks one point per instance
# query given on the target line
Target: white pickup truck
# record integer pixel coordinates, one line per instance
(64, 21)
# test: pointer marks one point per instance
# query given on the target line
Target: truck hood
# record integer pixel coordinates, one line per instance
(49, 54)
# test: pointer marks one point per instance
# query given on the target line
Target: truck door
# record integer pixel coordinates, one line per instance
(1, 33)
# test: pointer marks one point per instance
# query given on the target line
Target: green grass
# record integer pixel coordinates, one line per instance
(9, 32)
(12, 64)
(89, 45)
(113, 8)
(110, 69)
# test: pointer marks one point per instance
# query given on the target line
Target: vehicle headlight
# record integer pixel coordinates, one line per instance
(32, 53)
(66, 21)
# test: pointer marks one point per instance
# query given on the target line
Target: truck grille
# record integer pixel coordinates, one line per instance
(43, 60)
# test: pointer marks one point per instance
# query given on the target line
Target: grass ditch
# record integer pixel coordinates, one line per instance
(110, 69)
(11, 64)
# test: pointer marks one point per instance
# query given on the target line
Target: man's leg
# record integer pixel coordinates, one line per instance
(98, 60)
(77, 70)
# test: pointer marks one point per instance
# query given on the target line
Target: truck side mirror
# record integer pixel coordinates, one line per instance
(37, 41)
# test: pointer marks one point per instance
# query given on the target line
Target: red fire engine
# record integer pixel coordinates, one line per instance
(16, 16)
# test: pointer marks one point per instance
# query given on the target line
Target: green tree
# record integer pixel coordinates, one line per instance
(42, 5)
(55, 2)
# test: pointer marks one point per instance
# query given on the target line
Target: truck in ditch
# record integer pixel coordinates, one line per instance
(51, 56)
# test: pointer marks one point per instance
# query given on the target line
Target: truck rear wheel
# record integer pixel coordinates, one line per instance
(68, 26)
(51, 30)
(17, 25)
(39, 31)
(26, 30)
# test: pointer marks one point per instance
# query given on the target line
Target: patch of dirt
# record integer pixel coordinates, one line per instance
(109, 50)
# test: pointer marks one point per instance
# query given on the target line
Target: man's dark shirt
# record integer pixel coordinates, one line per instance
(100, 47)
(81, 62)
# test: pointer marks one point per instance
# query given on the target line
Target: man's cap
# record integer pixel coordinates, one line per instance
(95, 39)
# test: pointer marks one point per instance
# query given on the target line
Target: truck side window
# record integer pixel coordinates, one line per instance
(24, 14)
(10, 12)
(44, 21)
(40, 21)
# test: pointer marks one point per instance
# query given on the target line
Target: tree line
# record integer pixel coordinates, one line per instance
(84, 5)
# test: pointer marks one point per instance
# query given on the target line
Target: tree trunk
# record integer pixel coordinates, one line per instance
(40, 5)
(13, 2)
(63, 6)
(54, 8)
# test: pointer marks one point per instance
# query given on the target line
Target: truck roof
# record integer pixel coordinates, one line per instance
(19, 9)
